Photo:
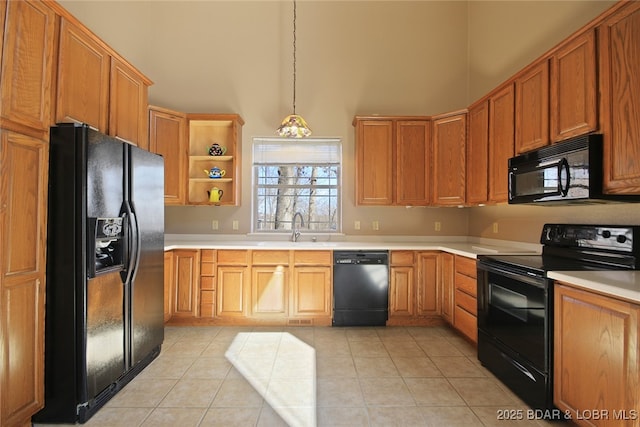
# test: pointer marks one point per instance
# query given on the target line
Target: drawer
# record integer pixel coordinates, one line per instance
(466, 266)
(466, 323)
(207, 269)
(312, 258)
(207, 303)
(466, 284)
(270, 258)
(232, 257)
(467, 302)
(208, 282)
(402, 257)
(208, 255)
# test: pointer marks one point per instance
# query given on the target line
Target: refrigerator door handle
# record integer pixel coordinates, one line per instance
(133, 241)
(138, 243)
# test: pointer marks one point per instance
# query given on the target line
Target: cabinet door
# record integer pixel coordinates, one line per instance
(596, 359)
(231, 291)
(167, 137)
(449, 159)
(477, 180)
(619, 39)
(446, 283)
(83, 78)
(185, 292)
(402, 292)
(269, 290)
(27, 68)
(128, 102)
(23, 224)
(413, 165)
(532, 108)
(501, 135)
(168, 284)
(374, 162)
(311, 295)
(574, 88)
(428, 302)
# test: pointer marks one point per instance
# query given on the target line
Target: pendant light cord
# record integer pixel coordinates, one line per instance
(294, 56)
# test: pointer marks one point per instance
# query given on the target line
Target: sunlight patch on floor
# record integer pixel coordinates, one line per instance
(282, 369)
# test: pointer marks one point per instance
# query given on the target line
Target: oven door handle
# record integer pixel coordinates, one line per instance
(521, 276)
(519, 367)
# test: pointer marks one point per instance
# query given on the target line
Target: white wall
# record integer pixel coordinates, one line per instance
(353, 57)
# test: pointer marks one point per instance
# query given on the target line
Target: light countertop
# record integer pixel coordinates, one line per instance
(619, 284)
(468, 247)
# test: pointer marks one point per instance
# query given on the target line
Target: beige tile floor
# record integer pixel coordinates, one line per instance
(306, 376)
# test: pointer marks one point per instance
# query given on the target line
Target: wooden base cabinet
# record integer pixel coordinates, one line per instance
(23, 224)
(269, 283)
(186, 272)
(465, 296)
(311, 293)
(446, 285)
(415, 287)
(402, 285)
(232, 284)
(596, 357)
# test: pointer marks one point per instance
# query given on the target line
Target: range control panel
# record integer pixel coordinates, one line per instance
(615, 238)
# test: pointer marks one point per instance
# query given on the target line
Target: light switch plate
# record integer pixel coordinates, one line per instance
(214, 224)
(235, 224)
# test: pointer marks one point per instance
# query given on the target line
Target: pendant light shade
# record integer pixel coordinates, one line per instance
(294, 126)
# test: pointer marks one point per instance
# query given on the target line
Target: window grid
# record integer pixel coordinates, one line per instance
(311, 189)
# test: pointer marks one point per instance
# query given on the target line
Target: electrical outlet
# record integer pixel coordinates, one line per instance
(375, 225)
(235, 224)
(214, 224)
(356, 225)
(495, 227)
(437, 225)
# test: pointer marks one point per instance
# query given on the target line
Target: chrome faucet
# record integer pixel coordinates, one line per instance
(295, 231)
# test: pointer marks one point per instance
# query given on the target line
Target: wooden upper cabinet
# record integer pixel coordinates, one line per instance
(128, 101)
(449, 158)
(167, 137)
(532, 107)
(27, 67)
(477, 159)
(619, 37)
(413, 184)
(501, 136)
(83, 78)
(374, 162)
(393, 160)
(573, 87)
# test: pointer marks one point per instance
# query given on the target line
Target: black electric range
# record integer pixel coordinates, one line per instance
(515, 301)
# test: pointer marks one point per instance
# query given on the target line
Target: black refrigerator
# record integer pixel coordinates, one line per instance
(105, 270)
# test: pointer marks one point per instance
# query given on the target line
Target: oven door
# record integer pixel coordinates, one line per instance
(514, 309)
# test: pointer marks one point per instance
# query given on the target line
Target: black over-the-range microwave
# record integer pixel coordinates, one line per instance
(566, 172)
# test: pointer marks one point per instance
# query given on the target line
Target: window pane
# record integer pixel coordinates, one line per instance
(283, 190)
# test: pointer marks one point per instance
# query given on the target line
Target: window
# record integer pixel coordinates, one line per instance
(297, 175)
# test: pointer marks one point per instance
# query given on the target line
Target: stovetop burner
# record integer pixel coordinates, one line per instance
(579, 247)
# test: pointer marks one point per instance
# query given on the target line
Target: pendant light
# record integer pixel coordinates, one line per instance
(294, 126)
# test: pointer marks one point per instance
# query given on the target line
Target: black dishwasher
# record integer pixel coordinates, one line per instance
(360, 288)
